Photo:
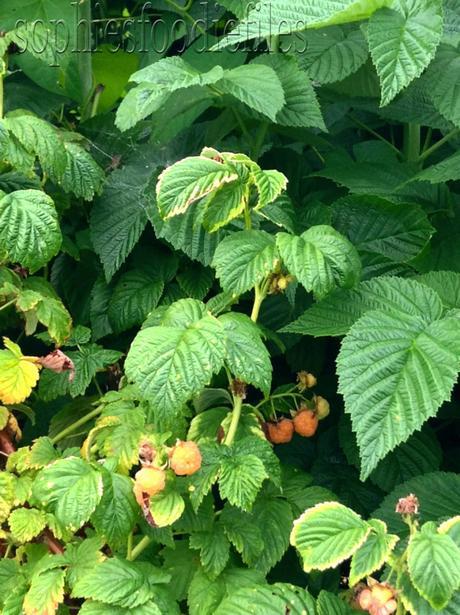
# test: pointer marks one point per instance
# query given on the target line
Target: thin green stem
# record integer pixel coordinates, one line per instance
(438, 144)
(129, 547)
(137, 550)
(258, 299)
(7, 305)
(85, 66)
(375, 134)
(241, 124)
(98, 90)
(247, 218)
(274, 43)
(236, 414)
(74, 426)
(96, 384)
(412, 142)
(8, 551)
(427, 140)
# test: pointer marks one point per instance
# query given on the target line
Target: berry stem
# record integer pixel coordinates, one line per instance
(237, 405)
(137, 550)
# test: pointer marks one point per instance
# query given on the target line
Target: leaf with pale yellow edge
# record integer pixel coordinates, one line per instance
(18, 373)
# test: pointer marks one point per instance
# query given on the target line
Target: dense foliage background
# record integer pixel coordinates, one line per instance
(236, 227)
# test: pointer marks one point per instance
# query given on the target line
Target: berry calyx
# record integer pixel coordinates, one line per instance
(149, 480)
(280, 432)
(322, 407)
(185, 458)
(306, 423)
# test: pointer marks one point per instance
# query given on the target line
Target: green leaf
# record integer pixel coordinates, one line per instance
(29, 228)
(206, 594)
(395, 370)
(166, 507)
(55, 317)
(26, 523)
(82, 557)
(240, 478)
(269, 184)
(321, 259)
(374, 225)
(446, 284)
(290, 18)
(328, 534)
(443, 76)
(207, 475)
(226, 204)
(46, 592)
(82, 175)
(243, 532)
(71, 488)
(189, 180)
(444, 171)
(121, 427)
(18, 374)
(119, 582)
(186, 232)
(415, 604)
(402, 41)
(41, 139)
(90, 359)
(255, 85)
(136, 293)
(335, 314)
(117, 511)
(118, 216)
(244, 259)
(181, 563)
(331, 604)
(196, 281)
(171, 363)
(330, 55)
(373, 553)
(214, 549)
(259, 600)
(273, 516)
(434, 565)
(247, 357)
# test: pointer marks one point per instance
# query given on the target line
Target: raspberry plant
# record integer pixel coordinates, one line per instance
(230, 299)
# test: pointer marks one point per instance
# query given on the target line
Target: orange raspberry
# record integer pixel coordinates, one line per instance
(280, 432)
(365, 599)
(306, 423)
(149, 480)
(322, 407)
(185, 458)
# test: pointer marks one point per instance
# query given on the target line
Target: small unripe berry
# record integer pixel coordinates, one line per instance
(185, 458)
(150, 480)
(322, 407)
(306, 423)
(281, 432)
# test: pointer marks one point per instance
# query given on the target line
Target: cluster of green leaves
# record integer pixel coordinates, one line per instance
(181, 231)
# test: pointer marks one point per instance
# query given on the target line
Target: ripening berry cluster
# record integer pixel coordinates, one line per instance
(304, 422)
(184, 459)
(378, 599)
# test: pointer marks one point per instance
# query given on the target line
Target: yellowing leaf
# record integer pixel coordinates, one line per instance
(18, 373)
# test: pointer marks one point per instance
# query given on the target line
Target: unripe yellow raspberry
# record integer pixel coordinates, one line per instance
(185, 458)
(322, 407)
(150, 480)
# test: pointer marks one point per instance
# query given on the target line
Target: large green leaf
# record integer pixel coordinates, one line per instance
(41, 139)
(117, 510)
(46, 592)
(244, 259)
(82, 175)
(214, 549)
(288, 17)
(189, 180)
(373, 553)
(71, 488)
(444, 80)
(395, 369)
(403, 41)
(136, 293)
(247, 357)
(321, 259)
(328, 534)
(29, 228)
(443, 171)
(397, 231)
(335, 314)
(118, 216)
(255, 85)
(330, 55)
(171, 363)
(119, 582)
(446, 284)
(26, 523)
(240, 478)
(434, 565)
